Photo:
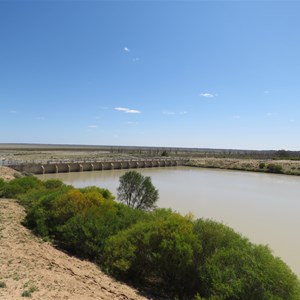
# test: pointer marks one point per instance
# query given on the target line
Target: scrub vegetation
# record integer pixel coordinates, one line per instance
(173, 255)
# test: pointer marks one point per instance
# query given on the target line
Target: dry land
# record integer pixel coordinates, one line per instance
(257, 165)
(30, 266)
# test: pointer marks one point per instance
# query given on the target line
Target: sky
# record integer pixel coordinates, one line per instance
(205, 74)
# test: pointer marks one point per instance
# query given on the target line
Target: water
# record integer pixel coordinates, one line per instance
(263, 207)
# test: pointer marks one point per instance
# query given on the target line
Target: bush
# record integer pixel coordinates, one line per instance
(249, 273)
(162, 252)
(19, 186)
(274, 168)
(262, 165)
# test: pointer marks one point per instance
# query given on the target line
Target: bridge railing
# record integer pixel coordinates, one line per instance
(5, 162)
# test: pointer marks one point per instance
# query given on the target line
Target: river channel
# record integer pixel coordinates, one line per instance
(263, 207)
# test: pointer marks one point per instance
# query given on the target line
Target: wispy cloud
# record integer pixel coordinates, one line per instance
(136, 59)
(40, 118)
(128, 110)
(92, 126)
(132, 123)
(267, 92)
(125, 49)
(12, 111)
(236, 117)
(271, 114)
(183, 113)
(208, 95)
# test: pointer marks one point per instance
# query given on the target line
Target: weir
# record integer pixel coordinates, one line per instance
(82, 166)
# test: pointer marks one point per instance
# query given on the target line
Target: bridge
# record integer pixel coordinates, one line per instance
(45, 167)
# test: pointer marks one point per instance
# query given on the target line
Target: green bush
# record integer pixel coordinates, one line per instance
(274, 168)
(19, 186)
(262, 165)
(162, 252)
(249, 273)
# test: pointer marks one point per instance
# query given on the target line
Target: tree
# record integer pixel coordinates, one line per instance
(137, 191)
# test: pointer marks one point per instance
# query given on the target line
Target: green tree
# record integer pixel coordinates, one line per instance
(137, 191)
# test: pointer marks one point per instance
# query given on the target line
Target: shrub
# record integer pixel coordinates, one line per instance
(249, 273)
(163, 252)
(2, 285)
(53, 184)
(19, 186)
(274, 168)
(262, 165)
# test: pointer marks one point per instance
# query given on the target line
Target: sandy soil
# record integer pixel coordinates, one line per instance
(8, 173)
(27, 263)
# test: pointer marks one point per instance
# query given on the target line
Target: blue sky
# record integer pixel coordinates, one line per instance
(218, 74)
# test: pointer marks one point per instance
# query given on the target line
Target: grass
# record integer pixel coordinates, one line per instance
(29, 292)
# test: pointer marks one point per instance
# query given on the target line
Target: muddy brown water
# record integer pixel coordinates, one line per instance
(263, 207)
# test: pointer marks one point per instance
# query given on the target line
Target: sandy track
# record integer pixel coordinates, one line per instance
(27, 262)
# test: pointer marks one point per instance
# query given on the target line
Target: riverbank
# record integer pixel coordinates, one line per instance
(7, 173)
(287, 167)
(31, 266)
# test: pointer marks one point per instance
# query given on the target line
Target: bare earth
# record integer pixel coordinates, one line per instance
(7, 173)
(26, 262)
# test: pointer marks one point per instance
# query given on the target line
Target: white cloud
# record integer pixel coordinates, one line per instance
(208, 95)
(12, 111)
(125, 49)
(271, 114)
(237, 117)
(267, 92)
(135, 59)
(183, 113)
(92, 126)
(128, 110)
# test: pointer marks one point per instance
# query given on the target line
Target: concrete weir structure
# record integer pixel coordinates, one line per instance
(81, 166)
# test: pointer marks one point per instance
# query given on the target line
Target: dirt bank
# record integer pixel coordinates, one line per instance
(8, 173)
(286, 166)
(29, 265)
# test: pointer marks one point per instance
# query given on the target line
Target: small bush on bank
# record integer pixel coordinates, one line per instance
(262, 165)
(274, 168)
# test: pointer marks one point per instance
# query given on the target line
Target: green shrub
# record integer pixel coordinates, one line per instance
(2, 285)
(274, 168)
(162, 252)
(53, 184)
(19, 186)
(262, 165)
(249, 273)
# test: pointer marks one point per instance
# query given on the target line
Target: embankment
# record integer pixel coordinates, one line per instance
(287, 167)
(31, 266)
